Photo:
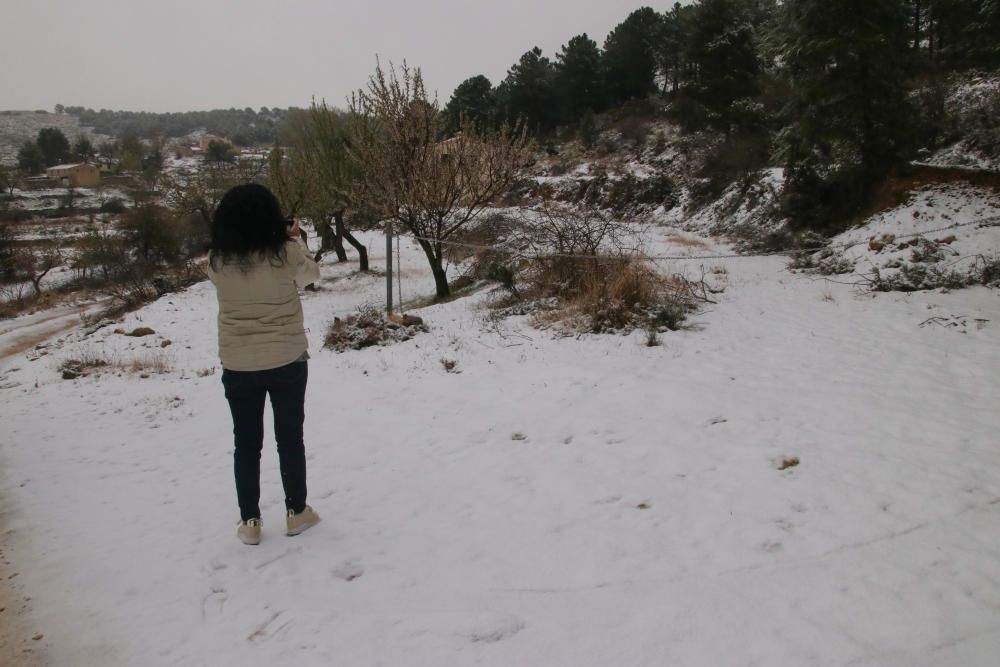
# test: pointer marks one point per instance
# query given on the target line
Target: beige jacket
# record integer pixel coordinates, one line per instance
(260, 316)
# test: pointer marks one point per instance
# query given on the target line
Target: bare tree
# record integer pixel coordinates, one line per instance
(35, 267)
(8, 181)
(320, 166)
(433, 185)
(201, 192)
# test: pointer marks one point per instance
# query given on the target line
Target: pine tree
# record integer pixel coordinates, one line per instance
(53, 144)
(723, 52)
(83, 149)
(474, 100)
(527, 94)
(670, 46)
(846, 62)
(629, 57)
(30, 159)
(578, 77)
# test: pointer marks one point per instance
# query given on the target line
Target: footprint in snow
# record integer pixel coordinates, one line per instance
(503, 630)
(348, 571)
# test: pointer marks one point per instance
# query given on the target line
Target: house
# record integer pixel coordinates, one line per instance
(206, 139)
(82, 174)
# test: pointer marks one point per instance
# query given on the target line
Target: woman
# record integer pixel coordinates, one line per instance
(257, 263)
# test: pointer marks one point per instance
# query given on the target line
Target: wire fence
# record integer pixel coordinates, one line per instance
(982, 223)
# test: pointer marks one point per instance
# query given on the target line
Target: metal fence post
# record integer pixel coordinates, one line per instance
(388, 267)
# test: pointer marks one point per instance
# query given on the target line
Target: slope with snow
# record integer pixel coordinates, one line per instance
(551, 501)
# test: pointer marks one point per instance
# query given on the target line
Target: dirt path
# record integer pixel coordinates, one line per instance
(23, 333)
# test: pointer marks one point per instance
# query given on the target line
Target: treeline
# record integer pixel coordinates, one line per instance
(245, 127)
(838, 92)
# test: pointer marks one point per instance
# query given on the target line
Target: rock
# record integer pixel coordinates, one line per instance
(166, 343)
(406, 320)
(139, 332)
(69, 374)
(789, 463)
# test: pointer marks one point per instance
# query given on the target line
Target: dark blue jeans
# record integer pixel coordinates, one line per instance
(245, 391)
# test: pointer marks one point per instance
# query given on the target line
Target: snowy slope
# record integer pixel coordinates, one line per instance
(641, 520)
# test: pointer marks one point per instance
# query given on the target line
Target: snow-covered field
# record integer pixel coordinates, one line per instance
(44, 199)
(551, 501)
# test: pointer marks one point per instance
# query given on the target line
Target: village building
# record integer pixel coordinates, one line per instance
(77, 175)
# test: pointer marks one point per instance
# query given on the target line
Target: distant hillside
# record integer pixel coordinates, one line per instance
(18, 126)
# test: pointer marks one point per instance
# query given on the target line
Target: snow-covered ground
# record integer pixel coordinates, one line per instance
(551, 501)
(949, 227)
(44, 199)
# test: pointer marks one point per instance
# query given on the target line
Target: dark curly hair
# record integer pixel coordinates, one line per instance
(248, 225)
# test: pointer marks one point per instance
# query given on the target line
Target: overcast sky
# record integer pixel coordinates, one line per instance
(179, 55)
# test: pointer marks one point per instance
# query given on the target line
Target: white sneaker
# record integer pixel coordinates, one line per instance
(302, 521)
(249, 531)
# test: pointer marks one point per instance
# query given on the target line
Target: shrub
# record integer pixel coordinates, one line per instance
(634, 131)
(152, 234)
(8, 251)
(987, 270)
(588, 132)
(505, 274)
(368, 327)
(617, 294)
(113, 205)
(915, 277)
(821, 200)
(690, 114)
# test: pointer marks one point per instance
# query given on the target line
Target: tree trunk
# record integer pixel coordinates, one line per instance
(442, 289)
(362, 250)
(338, 236)
(328, 241)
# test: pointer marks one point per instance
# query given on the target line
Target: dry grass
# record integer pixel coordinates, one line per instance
(154, 363)
(148, 364)
(685, 241)
(89, 361)
(610, 295)
(896, 190)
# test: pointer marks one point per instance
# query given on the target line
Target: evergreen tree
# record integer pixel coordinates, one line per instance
(30, 159)
(723, 50)
(588, 129)
(958, 33)
(629, 57)
(984, 35)
(53, 145)
(846, 62)
(473, 100)
(527, 94)
(83, 149)
(670, 46)
(579, 80)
